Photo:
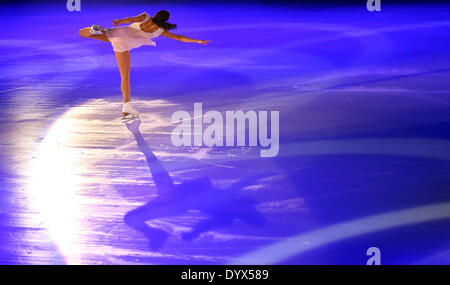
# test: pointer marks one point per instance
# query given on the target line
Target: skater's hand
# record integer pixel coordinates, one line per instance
(133, 125)
(203, 42)
(116, 23)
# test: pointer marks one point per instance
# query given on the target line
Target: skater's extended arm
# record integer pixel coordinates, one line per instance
(182, 38)
(129, 20)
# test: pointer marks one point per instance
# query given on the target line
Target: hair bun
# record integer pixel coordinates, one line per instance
(161, 18)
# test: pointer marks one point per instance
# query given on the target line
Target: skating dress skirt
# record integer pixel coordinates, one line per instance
(130, 37)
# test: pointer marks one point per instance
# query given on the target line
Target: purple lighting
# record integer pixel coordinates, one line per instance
(364, 137)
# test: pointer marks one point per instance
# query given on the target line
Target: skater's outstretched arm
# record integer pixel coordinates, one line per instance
(129, 20)
(182, 38)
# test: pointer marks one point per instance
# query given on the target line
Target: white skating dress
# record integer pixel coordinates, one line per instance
(131, 36)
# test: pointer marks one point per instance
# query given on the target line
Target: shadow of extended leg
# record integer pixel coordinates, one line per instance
(207, 225)
(137, 218)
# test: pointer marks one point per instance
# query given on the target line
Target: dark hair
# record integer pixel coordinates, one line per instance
(161, 18)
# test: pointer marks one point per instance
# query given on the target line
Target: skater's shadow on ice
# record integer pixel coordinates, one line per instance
(222, 206)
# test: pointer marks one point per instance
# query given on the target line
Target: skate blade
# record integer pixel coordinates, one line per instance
(128, 118)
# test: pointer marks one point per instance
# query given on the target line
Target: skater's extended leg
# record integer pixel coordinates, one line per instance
(86, 33)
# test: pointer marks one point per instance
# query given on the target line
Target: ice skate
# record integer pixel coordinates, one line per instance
(97, 30)
(128, 112)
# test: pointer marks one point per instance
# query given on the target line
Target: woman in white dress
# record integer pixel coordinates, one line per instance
(140, 32)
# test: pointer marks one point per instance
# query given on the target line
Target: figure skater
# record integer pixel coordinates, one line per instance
(140, 32)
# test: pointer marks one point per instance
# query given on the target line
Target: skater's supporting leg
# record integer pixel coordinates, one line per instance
(123, 61)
